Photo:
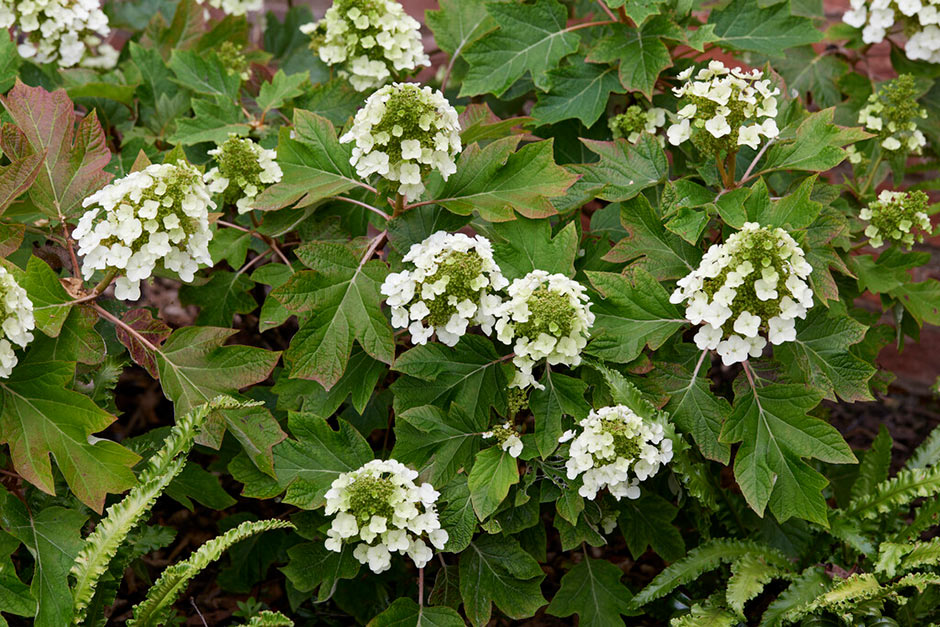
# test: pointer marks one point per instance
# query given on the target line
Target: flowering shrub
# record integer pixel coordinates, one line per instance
(517, 312)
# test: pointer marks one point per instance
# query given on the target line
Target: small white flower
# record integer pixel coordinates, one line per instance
(65, 32)
(16, 320)
(235, 7)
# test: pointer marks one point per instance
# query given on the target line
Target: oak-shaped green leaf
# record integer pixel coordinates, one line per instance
(624, 169)
(820, 356)
(593, 591)
(531, 39)
(639, 53)
(458, 23)
(470, 375)
(494, 471)
(437, 442)
(308, 464)
(214, 120)
(18, 176)
(497, 179)
(814, 74)
(647, 523)
(49, 298)
(580, 90)
(495, 569)
(746, 25)
(314, 163)
(10, 62)
(53, 538)
(455, 510)
(648, 243)
(226, 294)
(204, 74)
(313, 567)
(523, 245)
(633, 312)
(813, 144)
(77, 340)
(282, 89)
(342, 295)
(562, 396)
(695, 409)
(74, 156)
(775, 432)
(406, 612)
(638, 10)
(195, 367)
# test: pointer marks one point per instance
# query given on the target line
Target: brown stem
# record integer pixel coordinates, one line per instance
(588, 25)
(104, 283)
(421, 587)
(376, 242)
(107, 315)
(400, 206)
(68, 243)
(607, 10)
(374, 210)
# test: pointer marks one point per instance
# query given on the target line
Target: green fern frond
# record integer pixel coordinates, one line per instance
(922, 554)
(706, 557)
(749, 575)
(103, 543)
(848, 593)
(268, 618)
(154, 610)
(792, 603)
(875, 464)
(705, 616)
(889, 557)
(928, 453)
(925, 517)
(917, 580)
(892, 495)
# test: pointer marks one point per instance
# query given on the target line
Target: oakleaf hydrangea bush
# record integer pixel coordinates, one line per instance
(517, 312)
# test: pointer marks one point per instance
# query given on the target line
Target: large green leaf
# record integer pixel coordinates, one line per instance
(633, 312)
(813, 144)
(314, 163)
(639, 53)
(214, 120)
(814, 74)
(624, 169)
(562, 396)
(406, 612)
(204, 74)
(648, 243)
(442, 443)
(775, 432)
(470, 374)
(41, 417)
(745, 25)
(280, 90)
(458, 23)
(313, 567)
(308, 464)
(522, 245)
(820, 356)
(531, 39)
(580, 90)
(50, 300)
(53, 538)
(18, 176)
(497, 179)
(195, 367)
(592, 590)
(495, 569)
(647, 523)
(342, 295)
(494, 472)
(74, 156)
(10, 62)
(226, 294)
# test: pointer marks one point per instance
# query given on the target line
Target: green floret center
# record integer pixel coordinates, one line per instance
(705, 110)
(626, 442)
(633, 120)
(369, 496)
(460, 270)
(239, 164)
(404, 110)
(899, 98)
(761, 248)
(232, 58)
(550, 312)
(887, 217)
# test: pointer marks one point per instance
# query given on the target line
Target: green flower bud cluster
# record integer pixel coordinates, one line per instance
(897, 217)
(635, 121)
(233, 60)
(507, 437)
(892, 112)
(245, 169)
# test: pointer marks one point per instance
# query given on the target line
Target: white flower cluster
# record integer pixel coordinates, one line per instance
(16, 320)
(723, 108)
(244, 170)
(507, 437)
(892, 112)
(547, 316)
(898, 217)
(158, 214)
(920, 19)
(235, 7)
(754, 283)
(380, 507)
(402, 133)
(371, 40)
(452, 285)
(613, 442)
(635, 121)
(62, 31)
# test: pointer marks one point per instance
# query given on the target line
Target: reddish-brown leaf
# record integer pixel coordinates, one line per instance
(74, 158)
(152, 329)
(16, 178)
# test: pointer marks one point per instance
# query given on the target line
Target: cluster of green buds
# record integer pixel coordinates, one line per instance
(507, 437)
(635, 121)
(244, 170)
(233, 59)
(897, 217)
(892, 113)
